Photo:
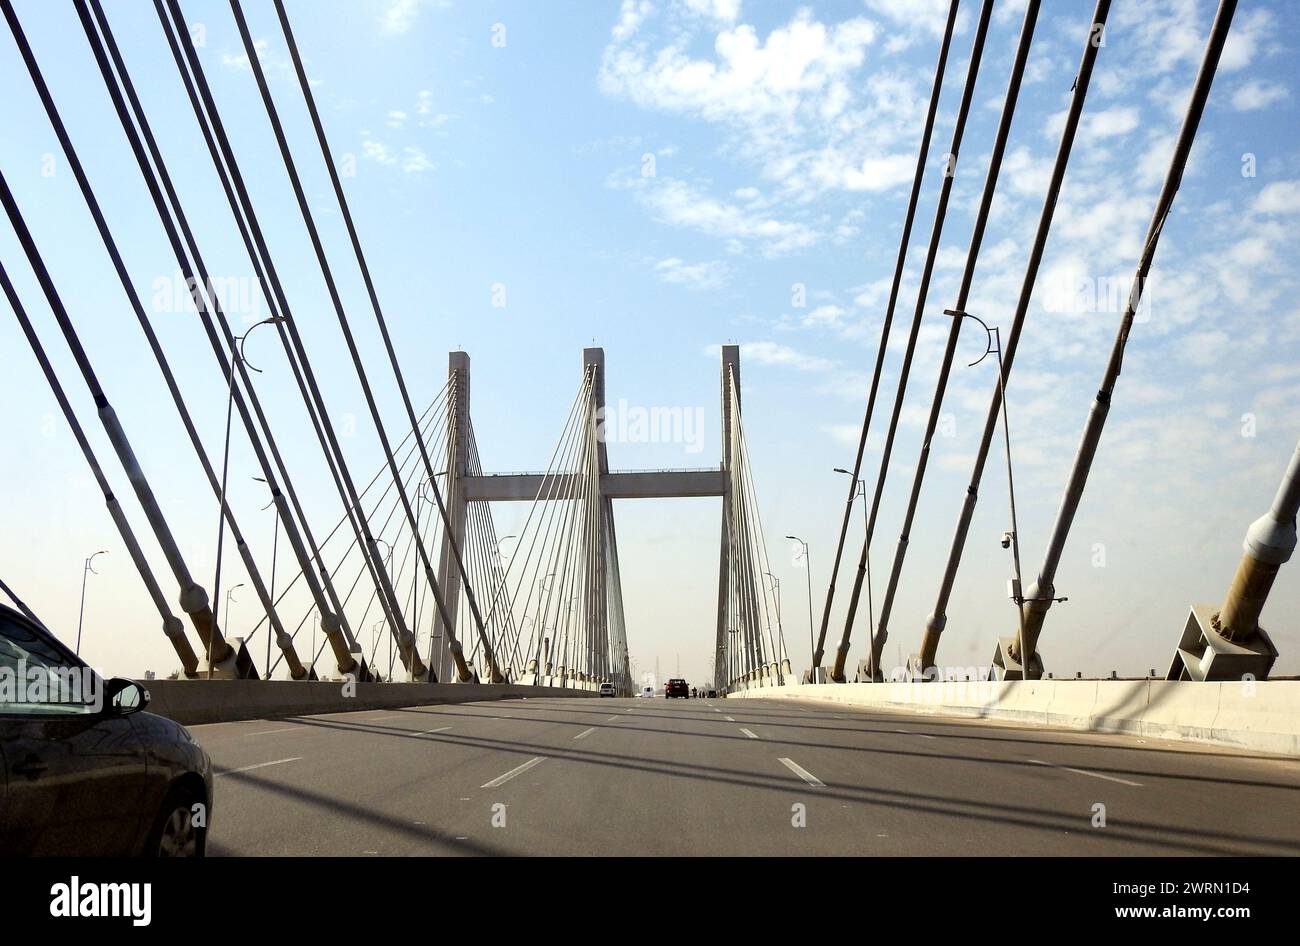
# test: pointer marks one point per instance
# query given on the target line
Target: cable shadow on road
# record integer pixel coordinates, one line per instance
(965, 734)
(1198, 840)
(351, 811)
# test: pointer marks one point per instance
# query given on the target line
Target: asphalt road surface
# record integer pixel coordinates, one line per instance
(711, 777)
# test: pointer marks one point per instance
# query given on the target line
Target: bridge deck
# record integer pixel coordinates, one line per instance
(585, 776)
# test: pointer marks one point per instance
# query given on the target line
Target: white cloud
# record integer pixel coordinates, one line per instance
(772, 353)
(415, 161)
(377, 151)
(830, 167)
(1249, 31)
(1203, 349)
(630, 16)
(677, 203)
(1280, 197)
(913, 16)
(1257, 94)
(724, 11)
(824, 316)
(794, 101)
(696, 276)
(1112, 121)
(400, 15)
(411, 159)
(1171, 33)
(1024, 174)
(846, 435)
(240, 61)
(802, 63)
(1106, 123)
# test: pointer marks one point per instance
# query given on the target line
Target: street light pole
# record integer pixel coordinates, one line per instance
(861, 490)
(388, 564)
(501, 541)
(236, 355)
(86, 569)
(812, 641)
(783, 656)
(230, 592)
(540, 620)
(374, 645)
(275, 548)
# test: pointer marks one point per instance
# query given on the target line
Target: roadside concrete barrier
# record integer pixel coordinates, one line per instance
(1262, 716)
(191, 702)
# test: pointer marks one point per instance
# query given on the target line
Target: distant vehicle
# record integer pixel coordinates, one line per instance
(713, 694)
(647, 693)
(86, 776)
(607, 689)
(677, 687)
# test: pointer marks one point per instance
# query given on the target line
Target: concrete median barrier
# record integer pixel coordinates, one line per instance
(191, 702)
(1261, 716)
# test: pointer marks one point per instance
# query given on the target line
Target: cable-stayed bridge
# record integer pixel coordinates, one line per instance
(408, 600)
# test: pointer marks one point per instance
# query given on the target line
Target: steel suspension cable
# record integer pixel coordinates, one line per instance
(207, 307)
(133, 298)
(938, 618)
(1041, 593)
(570, 541)
(936, 233)
(549, 487)
(954, 329)
(337, 304)
(193, 598)
(922, 157)
(324, 542)
(173, 628)
(760, 543)
(497, 565)
(563, 509)
(209, 120)
(328, 157)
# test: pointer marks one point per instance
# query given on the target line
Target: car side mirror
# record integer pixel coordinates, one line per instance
(123, 697)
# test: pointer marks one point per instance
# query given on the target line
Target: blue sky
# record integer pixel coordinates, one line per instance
(512, 144)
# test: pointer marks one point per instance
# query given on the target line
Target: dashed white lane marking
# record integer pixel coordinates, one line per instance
(909, 732)
(585, 733)
(380, 719)
(267, 732)
(517, 770)
(730, 719)
(748, 733)
(1109, 778)
(430, 732)
(613, 719)
(260, 765)
(803, 773)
